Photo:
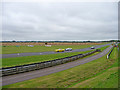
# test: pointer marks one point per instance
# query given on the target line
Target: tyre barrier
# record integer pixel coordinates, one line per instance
(36, 66)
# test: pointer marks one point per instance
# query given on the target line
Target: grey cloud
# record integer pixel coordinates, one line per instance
(60, 21)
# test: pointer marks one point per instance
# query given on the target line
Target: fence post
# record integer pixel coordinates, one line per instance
(107, 56)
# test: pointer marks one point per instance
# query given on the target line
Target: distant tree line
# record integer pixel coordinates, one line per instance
(59, 41)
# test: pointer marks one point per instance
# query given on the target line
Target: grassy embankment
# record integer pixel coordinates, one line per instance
(36, 48)
(8, 62)
(100, 73)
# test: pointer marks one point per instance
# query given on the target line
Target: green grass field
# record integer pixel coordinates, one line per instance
(7, 62)
(100, 73)
(24, 49)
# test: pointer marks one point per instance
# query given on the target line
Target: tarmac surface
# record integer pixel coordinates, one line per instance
(6, 80)
(50, 52)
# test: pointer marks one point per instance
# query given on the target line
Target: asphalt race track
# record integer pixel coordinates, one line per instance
(38, 73)
(50, 52)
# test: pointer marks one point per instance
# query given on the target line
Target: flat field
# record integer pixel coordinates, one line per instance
(23, 49)
(9, 48)
(54, 43)
(100, 73)
(7, 62)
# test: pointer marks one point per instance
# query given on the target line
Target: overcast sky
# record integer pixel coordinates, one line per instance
(60, 21)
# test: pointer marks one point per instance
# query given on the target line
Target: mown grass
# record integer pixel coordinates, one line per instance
(36, 48)
(98, 70)
(108, 79)
(105, 79)
(8, 62)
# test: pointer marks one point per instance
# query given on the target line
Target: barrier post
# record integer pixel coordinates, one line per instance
(107, 56)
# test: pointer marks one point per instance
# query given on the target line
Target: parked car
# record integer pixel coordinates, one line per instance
(59, 50)
(92, 47)
(68, 49)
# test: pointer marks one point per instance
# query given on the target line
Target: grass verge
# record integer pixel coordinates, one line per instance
(39, 48)
(74, 76)
(8, 62)
(36, 48)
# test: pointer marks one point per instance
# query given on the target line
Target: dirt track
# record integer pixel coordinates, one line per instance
(38, 73)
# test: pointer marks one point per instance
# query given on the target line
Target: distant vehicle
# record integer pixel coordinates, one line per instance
(115, 45)
(92, 47)
(30, 45)
(48, 45)
(68, 49)
(59, 50)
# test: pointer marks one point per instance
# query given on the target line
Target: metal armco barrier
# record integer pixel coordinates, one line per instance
(41, 65)
(110, 53)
